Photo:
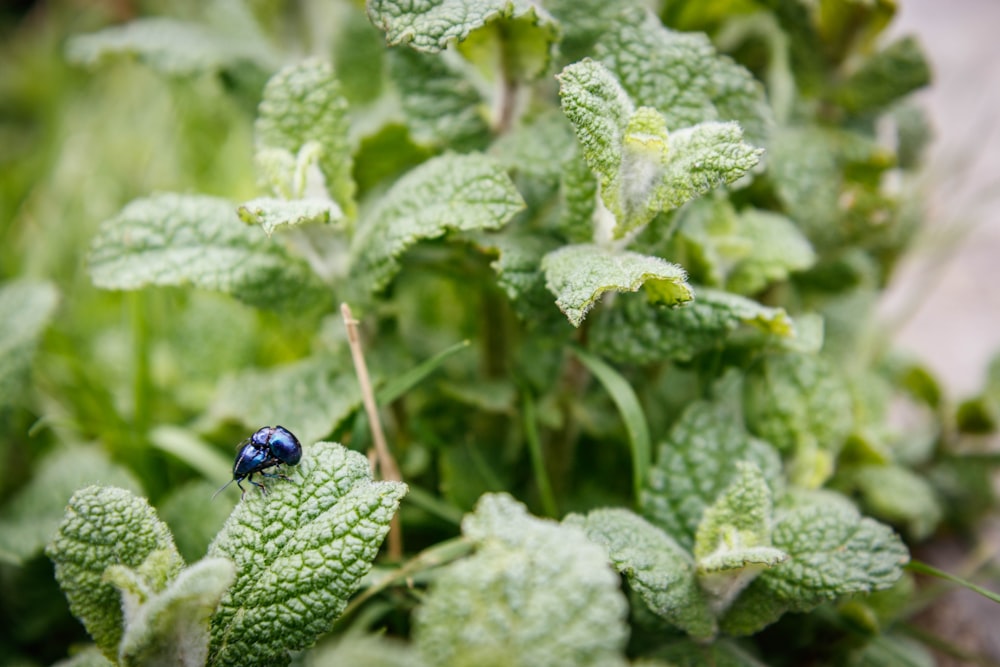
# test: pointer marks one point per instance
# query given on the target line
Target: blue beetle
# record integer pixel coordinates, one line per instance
(267, 448)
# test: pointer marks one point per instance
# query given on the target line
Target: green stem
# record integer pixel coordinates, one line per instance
(141, 384)
(537, 459)
(924, 568)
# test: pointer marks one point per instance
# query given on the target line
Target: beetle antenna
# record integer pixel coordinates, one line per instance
(223, 487)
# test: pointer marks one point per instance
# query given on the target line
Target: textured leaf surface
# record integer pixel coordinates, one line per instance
(776, 249)
(450, 192)
(807, 180)
(534, 593)
(174, 47)
(579, 274)
(890, 74)
(897, 494)
(431, 25)
(658, 569)
(311, 397)
(303, 104)
(171, 627)
(636, 331)
(31, 518)
(271, 213)
(300, 553)
(106, 526)
(697, 462)
(681, 75)
(26, 308)
(173, 239)
(643, 164)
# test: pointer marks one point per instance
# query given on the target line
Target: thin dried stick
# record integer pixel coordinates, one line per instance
(386, 464)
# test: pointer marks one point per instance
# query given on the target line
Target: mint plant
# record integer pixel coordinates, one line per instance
(615, 265)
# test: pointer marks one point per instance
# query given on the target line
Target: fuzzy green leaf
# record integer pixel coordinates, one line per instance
(698, 461)
(450, 192)
(801, 404)
(890, 74)
(312, 397)
(636, 331)
(441, 106)
(681, 75)
(303, 104)
(26, 307)
(898, 495)
(733, 543)
(432, 25)
(807, 179)
(106, 526)
(171, 627)
(31, 518)
(171, 46)
(534, 593)
(644, 168)
(370, 650)
(579, 274)
(300, 553)
(271, 213)
(658, 569)
(776, 249)
(173, 239)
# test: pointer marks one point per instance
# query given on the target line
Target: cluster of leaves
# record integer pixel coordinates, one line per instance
(664, 229)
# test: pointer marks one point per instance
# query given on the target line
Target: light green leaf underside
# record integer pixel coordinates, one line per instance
(698, 460)
(431, 25)
(446, 193)
(637, 331)
(303, 104)
(174, 47)
(26, 308)
(311, 397)
(271, 213)
(579, 274)
(534, 593)
(106, 526)
(31, 518)
(681, 75)
(90, 656)
(171, 627)
(171, 239)
(657, 568)
(300, 553)
(645, 165)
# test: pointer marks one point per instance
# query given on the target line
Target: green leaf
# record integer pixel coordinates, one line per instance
(300, 553)
(658, 569)
(890, 74)
(800, 404)
(733, 542)
(441, 106)
(271, 213)
(171, 46)
(303, 104)
(432, 25)
(583, 22)
(370, 650)
(106, 526)
(172, 627)
(30, 519)
(681, 75)
(538, 148)
(173, 239)
(630, 409)
(776, 249)
(898, 495)
(450, 192)
(643, 168)
(579, 274)
(90, 656)
(698, 461)
(534, 593)
(636, 331)
(720, 653)
(26, 308)
(194, 516)
(807, 179)
(404, 382)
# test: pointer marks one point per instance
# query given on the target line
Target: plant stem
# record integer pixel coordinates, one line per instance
(537, 459)
(386, 464)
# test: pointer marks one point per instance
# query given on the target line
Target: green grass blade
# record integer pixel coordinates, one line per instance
(401, 384)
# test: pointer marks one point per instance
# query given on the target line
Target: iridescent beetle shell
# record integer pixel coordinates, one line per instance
(268, 447)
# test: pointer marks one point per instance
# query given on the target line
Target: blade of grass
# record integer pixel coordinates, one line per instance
(190, 449)
(631, 411)
(537, 460)
(401, 384)
(924, 568)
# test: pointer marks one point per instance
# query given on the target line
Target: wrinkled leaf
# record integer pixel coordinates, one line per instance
(300, 553)
(579, 274)
(271, 213)
(888, 75)
(173, 239)
(534, 593)
(106, 526)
